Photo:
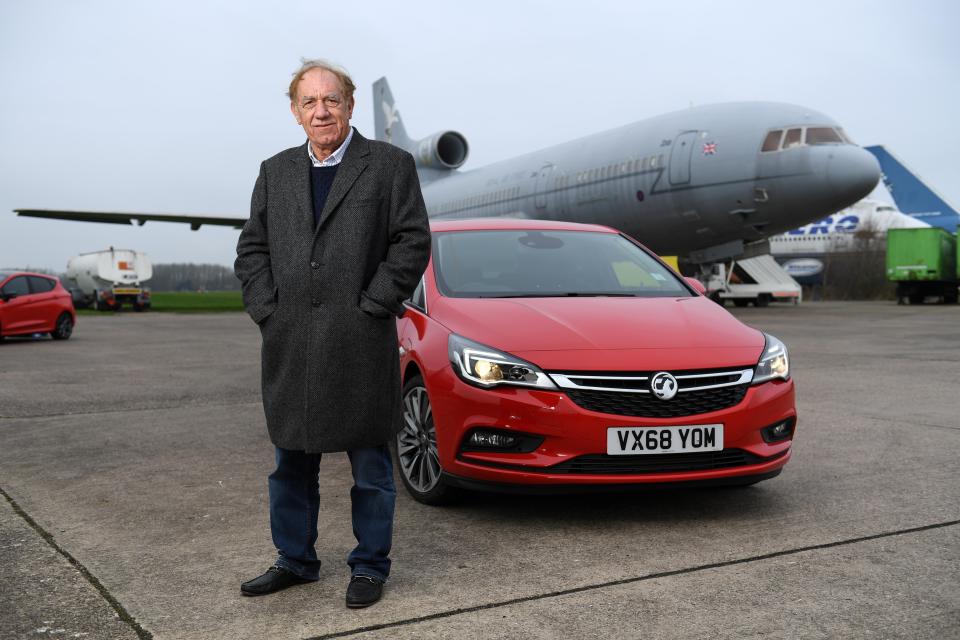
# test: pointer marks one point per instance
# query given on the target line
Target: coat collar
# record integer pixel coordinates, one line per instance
(353, 163)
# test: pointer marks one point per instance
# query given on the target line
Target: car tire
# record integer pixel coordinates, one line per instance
(64, 327)
(415, 451)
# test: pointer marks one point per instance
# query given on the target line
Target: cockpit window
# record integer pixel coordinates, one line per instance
(823, 135)
(772, 141)
(802, 136)
(793, 138)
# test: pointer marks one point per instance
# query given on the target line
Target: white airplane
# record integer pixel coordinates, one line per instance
(801, 251)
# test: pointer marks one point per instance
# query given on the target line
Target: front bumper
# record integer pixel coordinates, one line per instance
(570, 432)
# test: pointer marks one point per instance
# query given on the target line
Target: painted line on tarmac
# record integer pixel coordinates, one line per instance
(614, 583)
(118, 608)
(67, 414)
(914, 424)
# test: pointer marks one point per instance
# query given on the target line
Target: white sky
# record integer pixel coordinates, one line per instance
(169, 107)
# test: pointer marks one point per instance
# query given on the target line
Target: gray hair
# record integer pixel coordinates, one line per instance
(307, 64)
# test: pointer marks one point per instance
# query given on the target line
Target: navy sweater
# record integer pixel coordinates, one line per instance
(321, 178)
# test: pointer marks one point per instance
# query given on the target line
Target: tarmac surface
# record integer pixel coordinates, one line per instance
(133, 502)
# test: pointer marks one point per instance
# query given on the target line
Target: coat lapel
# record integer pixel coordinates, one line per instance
(353, 163)
(303, 192)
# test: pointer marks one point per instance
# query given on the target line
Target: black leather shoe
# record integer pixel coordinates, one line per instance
(363, 591)
(275, 579)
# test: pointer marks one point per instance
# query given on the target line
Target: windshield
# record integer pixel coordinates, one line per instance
(521, 264)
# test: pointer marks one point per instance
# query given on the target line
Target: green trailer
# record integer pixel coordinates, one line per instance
(923, 263)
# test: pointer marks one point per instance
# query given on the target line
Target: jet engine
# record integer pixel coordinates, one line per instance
(442, 150)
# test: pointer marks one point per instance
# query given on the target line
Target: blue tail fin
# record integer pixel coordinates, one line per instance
(912, 195)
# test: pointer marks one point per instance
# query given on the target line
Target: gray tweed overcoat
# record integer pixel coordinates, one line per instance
(326, 298)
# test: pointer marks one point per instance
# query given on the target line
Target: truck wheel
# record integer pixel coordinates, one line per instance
(762, 300)
(64, 327)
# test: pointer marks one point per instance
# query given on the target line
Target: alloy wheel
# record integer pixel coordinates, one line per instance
(417, 442)
(64, 327)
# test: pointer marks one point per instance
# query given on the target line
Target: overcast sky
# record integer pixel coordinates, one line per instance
(169, 107)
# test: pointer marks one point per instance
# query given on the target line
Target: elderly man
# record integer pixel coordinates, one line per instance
(337, 238)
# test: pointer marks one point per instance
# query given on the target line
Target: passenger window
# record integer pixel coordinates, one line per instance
(772, 142)
(18, 286)
(823, 135)
(417, 299)
(793, 138)
(41, 285)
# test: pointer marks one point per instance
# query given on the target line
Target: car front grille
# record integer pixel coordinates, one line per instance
(628, 394)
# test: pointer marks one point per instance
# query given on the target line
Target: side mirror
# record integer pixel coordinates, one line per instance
(7, 296)
(697, 285)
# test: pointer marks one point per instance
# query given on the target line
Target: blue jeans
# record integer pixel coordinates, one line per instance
(295, 505)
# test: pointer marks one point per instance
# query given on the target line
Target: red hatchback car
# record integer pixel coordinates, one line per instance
(550, 356)
(34, 303)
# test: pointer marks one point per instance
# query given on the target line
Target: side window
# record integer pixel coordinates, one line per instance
(792, 138)
(772, 141)
(17, 286)
(418, 299)
(41, 285)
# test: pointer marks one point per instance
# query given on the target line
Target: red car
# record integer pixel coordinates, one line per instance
(34, 303)
(553, 356)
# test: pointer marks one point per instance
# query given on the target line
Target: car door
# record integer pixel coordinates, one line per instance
(45, 308)
(18, 316)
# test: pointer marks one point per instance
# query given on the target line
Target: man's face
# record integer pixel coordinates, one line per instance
(322, 110)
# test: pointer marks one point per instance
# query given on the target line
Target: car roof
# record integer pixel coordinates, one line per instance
(5, 274)
(513, 224)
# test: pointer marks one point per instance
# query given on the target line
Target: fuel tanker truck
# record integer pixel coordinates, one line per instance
(106, 280)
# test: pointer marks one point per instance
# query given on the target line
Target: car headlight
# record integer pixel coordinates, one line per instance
(774, 361)
(486, 367)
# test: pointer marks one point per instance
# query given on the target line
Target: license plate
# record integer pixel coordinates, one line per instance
(632, 441)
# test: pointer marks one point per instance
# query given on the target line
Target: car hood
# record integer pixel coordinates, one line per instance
(605, 333)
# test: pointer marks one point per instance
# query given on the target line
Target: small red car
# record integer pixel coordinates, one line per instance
(35, 303)
(550, 356)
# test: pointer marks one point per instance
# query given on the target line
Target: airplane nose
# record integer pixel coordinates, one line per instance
(852, 173)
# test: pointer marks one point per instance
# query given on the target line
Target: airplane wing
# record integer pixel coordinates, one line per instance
(195, 222)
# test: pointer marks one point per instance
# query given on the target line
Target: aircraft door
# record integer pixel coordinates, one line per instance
(543, 179)
(680, 157)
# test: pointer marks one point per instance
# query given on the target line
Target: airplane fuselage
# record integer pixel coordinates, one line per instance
(679, 182)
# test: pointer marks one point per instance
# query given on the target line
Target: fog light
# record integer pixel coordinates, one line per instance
(492, 439)
(779, 431)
